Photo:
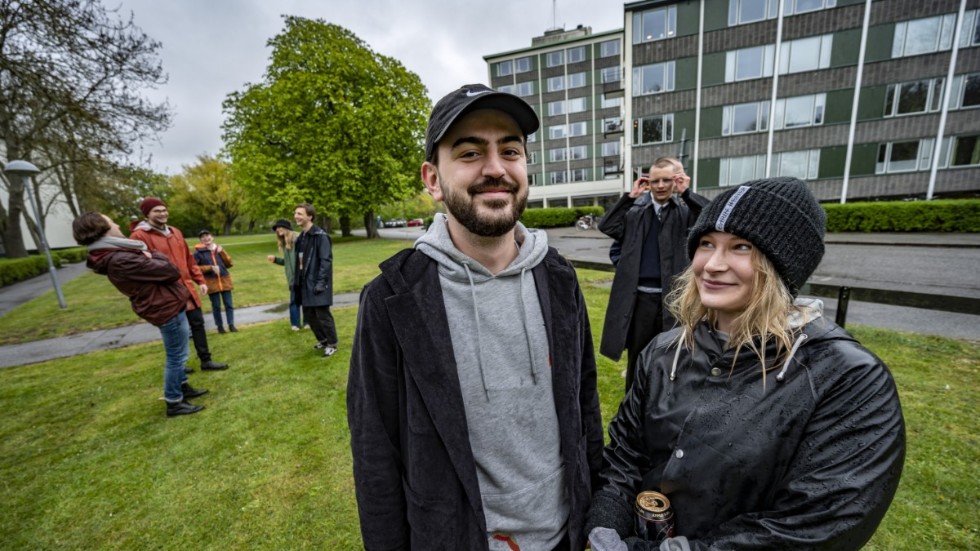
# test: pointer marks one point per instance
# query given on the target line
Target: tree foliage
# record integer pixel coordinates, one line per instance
(208, 190)
(71, 80)
(333, 123)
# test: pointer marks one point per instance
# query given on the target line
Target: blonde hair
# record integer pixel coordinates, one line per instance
(766, 316)
(286, 242)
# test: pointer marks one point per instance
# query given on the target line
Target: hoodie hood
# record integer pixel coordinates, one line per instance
(145, 226)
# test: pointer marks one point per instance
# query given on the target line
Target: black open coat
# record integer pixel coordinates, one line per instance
(317, 251)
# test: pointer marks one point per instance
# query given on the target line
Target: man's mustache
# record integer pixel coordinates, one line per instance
(493, 184)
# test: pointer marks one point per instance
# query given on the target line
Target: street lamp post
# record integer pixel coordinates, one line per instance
(24, 170)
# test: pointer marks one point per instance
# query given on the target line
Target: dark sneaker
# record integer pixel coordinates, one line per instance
(232, 328)
(182, 408)
(319, 346)
(221, 329)
(212, 365)
(188, 370)
(191, 392)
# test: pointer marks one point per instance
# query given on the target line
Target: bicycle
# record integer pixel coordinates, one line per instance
(587, 222)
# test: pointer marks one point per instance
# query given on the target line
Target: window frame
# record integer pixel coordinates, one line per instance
(522, 65)
(932, 101)
(667, 73)
(555, 58)
(923, 155)
(615, 70)
(579, 54)
(729, 118)
(573, 127)
(764, 53)
(818, 111)
(770, 11)
(725, 169)
(811, 164)
(604, 51)
(500, 65)
(788, 55)
(556, 84)
(669, 25)
(575, 80)
(666, 129)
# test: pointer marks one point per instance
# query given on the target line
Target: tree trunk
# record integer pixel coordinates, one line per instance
(13, 238)
(345, 225)
(370, 225)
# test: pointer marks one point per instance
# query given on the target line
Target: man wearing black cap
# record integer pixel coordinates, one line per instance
(472, 398)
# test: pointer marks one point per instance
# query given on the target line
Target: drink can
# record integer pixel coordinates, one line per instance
(654, 517)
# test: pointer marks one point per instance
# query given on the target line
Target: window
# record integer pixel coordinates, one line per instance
(556, 108)
(525, 89)
(799, 111)
(578, 175)
(970, 33)
(794, 7)
(913, 97)
(609, 48)
(578, 152)
(904, 156)
(576, 55)
(505, 68)
(508, 88)
(533, 180)
(966, 92)
(609, 74)
(611, 168)
(655, 129)
(532, 157)
(750, 11)
(557, 132)
(653, 79)
(748, 63)
(965, 151)
(559, 177)
(576, 80)
(805, 54)
(737, 170)
(922, 36)
(744, 118)
(557, 155)
(612, 124)
(556, 84)
(532, 137)
(610, 149)
(656, 24)
(554, 59)
(577, 128)
(522, 64)
(799, 164)
(575, 105)
(611, 102)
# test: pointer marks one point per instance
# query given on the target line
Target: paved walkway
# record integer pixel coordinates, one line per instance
(908, 319)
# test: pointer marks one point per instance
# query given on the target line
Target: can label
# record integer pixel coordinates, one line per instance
(654, 516)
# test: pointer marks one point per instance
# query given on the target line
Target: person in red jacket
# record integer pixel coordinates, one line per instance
(168, 240)
(155, 293)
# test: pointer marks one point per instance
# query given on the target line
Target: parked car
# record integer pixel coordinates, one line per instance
(395, 223)
(415, 222)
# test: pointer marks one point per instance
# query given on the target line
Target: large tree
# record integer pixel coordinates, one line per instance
(332, 123)
(210, 192)
(72, 75)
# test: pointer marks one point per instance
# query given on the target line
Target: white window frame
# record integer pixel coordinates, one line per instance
(805, 54)
(669, 29)
(792, 7)
(735, 58)
(803, 164)
(556, 84)
(607, 103)
(666, 70)
(666, 129)
(610, 149)
(507, 88)
(555, 58)
(610, 74)
(609, 48)
(940, 27)
(505, 68)
(950, 143)
(557, 177)
(557, 132)
(525, 88)
(735, 12)
(756, 164)
(532, 137)
(575, 80)
(958, 94)
(575, 55)
(579, 128)
(578, 175)
(884, 162)
(612, 124)
(933, 101)
(522, 64)
(761, 117)
(578, 152)
(576, 105)
(556, 108)
(817, 107)
(970, 33)
(557, 155)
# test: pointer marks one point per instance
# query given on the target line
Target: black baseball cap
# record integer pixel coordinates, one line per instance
(468, 98)
(203, 232)
(282, 223)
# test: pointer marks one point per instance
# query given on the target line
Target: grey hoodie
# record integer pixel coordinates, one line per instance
(501, 350)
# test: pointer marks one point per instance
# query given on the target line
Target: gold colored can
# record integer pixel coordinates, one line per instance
(654, 516)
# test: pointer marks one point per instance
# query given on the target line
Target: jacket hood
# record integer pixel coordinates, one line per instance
(145, 226)
(438, 245)
(98, 251)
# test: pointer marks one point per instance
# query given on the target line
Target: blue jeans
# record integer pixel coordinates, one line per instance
(175, 333)
(216, 300)
(294, 311)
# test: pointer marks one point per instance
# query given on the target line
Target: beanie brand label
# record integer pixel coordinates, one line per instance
(729, 207)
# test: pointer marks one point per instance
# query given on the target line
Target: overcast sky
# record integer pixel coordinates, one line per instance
(214, 47)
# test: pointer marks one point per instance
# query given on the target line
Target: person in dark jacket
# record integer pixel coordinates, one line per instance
(155, 293)
(649, 226)
(214, 261)
(314, 279)
(472, 400)
(764, 424)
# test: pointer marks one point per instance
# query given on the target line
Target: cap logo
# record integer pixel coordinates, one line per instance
(471, 93)
(729, 207)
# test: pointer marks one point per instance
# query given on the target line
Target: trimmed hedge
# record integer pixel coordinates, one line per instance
(18, 269)
(941, 215)
(557, 217)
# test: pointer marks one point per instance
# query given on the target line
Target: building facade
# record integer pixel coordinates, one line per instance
(852, 100)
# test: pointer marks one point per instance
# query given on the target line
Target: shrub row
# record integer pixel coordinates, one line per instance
(556, 217)
(18, 269)
(942, 215)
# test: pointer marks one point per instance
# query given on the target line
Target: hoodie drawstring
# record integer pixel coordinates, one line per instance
(479, 333)
(796, 346)
(527, 336)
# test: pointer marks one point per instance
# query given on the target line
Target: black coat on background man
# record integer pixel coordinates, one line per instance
(628, 222)
(317, 268)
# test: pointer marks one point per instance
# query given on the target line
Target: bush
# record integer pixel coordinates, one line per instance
(556, 217)
(19, 269)
(943, 215)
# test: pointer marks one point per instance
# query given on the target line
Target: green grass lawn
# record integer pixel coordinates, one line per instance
(89, 461)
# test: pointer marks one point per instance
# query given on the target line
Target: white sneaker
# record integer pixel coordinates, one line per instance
(296, 328)
(329, 351)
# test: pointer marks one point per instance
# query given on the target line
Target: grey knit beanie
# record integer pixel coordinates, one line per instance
(779, 215)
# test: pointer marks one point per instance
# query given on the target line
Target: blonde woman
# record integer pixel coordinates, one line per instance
(765, 425)
(287, 238)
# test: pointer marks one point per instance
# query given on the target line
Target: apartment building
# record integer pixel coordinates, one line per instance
(854, 101)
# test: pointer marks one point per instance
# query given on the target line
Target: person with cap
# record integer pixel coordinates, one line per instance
(313, 280)
(214, 262)
(649, 226)
(156, 294)
(471, 398)
(287, 240)
(764, 424)
(158, 236)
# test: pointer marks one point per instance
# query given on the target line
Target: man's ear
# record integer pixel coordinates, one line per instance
(430, 177)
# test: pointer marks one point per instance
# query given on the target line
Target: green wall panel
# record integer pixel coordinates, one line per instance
(687, 18)
(847, 45)
(711, 122)
(715, 15)
(713, 70)
(707, 173)
(838, 107)
(879, 47)
(686, 73)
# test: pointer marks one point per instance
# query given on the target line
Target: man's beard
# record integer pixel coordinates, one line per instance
(462, 206)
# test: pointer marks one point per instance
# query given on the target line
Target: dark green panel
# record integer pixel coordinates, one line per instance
(715, 15)
(687, 18)
(832, 162)
(879, 47)
(847, 44)
(872, 103)
(684, 121)
(864, 159)
(841, 3)
(686, 73)
(707, 173)
(711, 122)
(838, 108)
(713, 69)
